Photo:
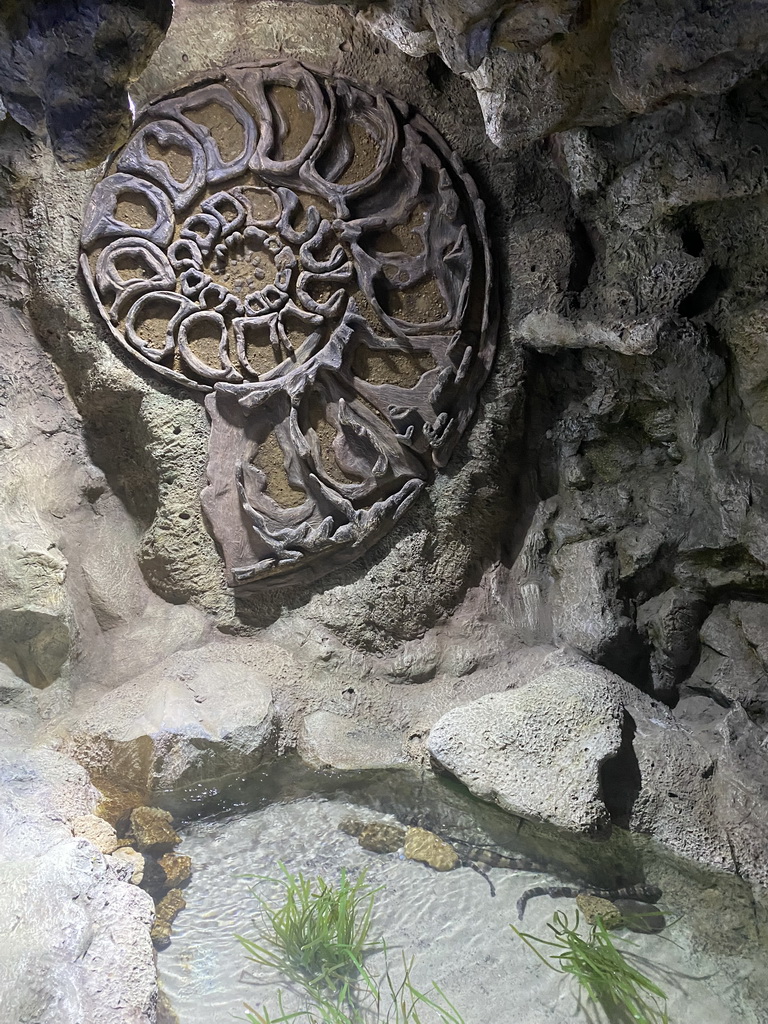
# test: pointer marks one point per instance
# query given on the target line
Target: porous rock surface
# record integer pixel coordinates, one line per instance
(192, 718)
(537, 750)
(76, 935)
(613, 755)
(422, 845)
(610, 499)
(65, 69)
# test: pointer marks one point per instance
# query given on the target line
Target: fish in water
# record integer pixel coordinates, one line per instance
(641, 893)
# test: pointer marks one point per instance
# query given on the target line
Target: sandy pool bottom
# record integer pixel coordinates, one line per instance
(458, 935)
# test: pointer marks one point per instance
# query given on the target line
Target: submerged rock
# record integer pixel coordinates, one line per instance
(640, 917)
(594, 907)
(153, 830)
(353, 826)
(428, 848)
(154, 879)
(116, 804)
(165, 914)
(177, 869)
(379, 837)
(376, 836)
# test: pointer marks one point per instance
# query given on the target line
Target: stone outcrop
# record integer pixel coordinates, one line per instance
(84, 951)
(610, 496)
(192, 719)
(97, 831)
(579, 747)
(58, 84)
(538, 750)
(35, 616)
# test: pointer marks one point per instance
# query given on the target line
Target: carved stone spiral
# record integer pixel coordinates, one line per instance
(313, 256)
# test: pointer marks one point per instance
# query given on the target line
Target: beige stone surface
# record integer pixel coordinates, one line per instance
(132, 861)
(83, 952)
(96, 831)
(537, 751)
(329, 739)
(191, 718)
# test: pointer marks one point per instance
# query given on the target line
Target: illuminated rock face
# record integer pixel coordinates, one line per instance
(313, 256)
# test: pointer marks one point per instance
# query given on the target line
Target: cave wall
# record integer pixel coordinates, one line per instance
(601, 533)
(607, 507)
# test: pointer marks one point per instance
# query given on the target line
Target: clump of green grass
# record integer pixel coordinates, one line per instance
(602, 971)
(387, 1003)
(318, 935)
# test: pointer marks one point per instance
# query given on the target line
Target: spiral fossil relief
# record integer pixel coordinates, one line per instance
(311, 255)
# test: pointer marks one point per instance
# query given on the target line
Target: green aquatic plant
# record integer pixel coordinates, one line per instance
(602, 970)
(386, 1003)
(317, 935)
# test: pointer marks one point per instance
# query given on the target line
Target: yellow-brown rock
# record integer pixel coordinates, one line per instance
(165, 913)
(593, 907)
(381, 837)
(153, 830)
(116, 805)
(352, 826)
(430, 849)
(177, 869)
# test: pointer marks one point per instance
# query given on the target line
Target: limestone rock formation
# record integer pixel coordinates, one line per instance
(66, 69)
(193, 718)
(132, 862)
(609, 497)
(83, 952)
(329, 739)
(538, 750)
(581, 748)
(97, 831)
(35, 615)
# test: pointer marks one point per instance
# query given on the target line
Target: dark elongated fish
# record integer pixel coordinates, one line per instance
(643, 893)
(475, 856)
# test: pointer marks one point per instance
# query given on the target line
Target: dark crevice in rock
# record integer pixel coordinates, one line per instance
(720, 699)
(438, 73)
(620, 777)
(628, 656)
(582, 262)
(691, 238)
(705, 294)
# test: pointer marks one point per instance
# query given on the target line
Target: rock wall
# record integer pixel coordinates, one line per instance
(606, 513)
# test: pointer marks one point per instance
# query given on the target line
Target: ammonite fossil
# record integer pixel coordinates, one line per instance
(311, 255)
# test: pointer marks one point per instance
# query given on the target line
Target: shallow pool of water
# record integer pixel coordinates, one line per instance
(711, 959)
